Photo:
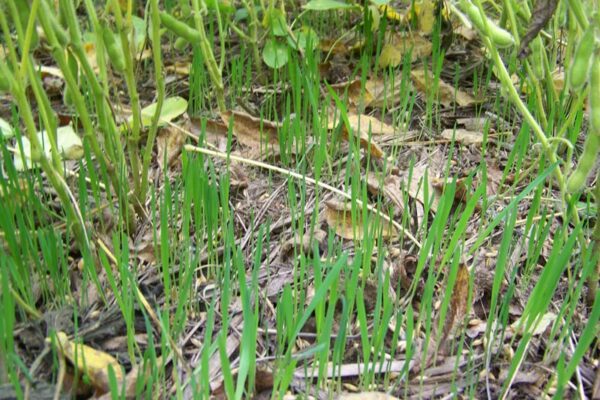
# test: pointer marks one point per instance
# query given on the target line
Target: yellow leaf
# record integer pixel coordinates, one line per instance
(392, 14)
(447, 93)
(365, 123)
(93, 363)
(393, 52)
(425, 13)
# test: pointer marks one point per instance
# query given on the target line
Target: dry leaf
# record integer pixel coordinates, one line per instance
(169, 143)
(458, 302)
(180, 68)
(425, 13)
(90, 54)
(391, 14)
(253, 132)
(383, 92)
(215, 132)
(390, 187)
(393, 52)
(366, 396)
(365, 124)
(333, 46)
(362, 133)
(473, 123)
(131, 380)
(558, 81)
(302, 243)
(539, 327)
(415, 187)
(93, 363)
(355, 369)
(461, 191)
(466, 32)
(356, 95)
(447, 94)
(339, 217)
(463, 136)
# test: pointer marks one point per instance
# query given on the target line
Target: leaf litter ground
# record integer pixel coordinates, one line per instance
(395, 154)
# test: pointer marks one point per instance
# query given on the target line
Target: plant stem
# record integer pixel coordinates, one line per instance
(124, 26)
(160, 89)
(209, 57)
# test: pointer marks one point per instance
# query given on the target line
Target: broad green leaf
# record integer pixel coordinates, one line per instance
(275, 54)
(172, 108)
(6, 130)
(275, 21)
(326, 5)
(305, 37)
(69, 147)
(139, 26)
(224, 5)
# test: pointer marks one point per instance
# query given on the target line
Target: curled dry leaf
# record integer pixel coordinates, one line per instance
(366, 396)
(339, 217)
(390, 188)
(447, 93)
(539, 326)
(463, 136)
(393, 52)
(302, 244)
(93, 363)
(361, 130)
(458, 302)
(416, 190)
(253, 132)
(366, 124)
(169, 143)
(356, 95)
(214, 131)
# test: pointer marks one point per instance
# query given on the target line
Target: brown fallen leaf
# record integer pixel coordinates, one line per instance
(463, 136)
(361, 131)
(357, 97)
(169, 143)
(253, 132)
(302, 244)
(364, 124)
(416, 190)
(384, 92)
(366, 396)
(93, 363)
(339, 217)
(334, 46)
(461, 192)
(446, 92)
(458, 304)
(355, 369)
(393, 52)
(390, 188)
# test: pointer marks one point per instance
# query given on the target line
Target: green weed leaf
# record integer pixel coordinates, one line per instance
(326, 5)
(172, 108)
(275, 54)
